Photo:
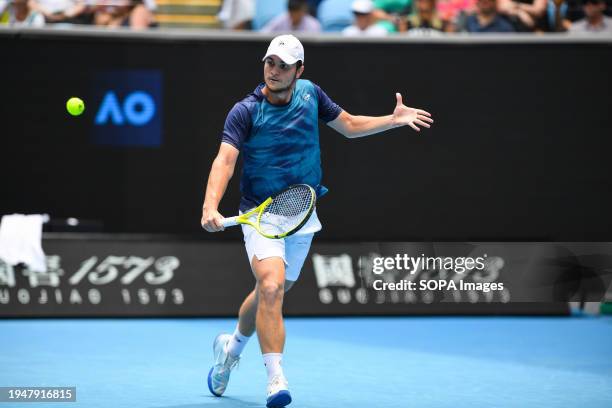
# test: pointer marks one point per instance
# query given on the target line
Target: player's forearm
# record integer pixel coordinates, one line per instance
(359, 126)
(220, 175)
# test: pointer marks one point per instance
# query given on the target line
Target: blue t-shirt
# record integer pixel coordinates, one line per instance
(279, 143)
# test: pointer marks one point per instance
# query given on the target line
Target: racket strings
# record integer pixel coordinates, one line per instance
(287, 210)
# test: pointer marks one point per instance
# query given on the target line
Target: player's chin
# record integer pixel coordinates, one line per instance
(274, 85)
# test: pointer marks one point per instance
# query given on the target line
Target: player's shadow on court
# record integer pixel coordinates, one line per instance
(224, 402)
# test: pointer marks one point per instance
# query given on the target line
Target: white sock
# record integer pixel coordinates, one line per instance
(237, 343)
(272, 361)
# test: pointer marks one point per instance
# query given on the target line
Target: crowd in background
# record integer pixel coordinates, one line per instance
(63, 13)
(349, 17)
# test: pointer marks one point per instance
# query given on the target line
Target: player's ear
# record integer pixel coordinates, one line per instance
(300, 69)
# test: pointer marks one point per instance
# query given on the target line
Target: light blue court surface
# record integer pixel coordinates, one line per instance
(352, 362)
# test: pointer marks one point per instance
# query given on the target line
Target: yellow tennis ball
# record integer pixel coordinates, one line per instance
(75, 106)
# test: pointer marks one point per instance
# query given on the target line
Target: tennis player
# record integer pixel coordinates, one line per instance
(276, 130)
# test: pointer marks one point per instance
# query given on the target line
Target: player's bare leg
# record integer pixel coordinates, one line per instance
(270, 275)
(230, 346)
(270, 289)
(248, 311)
(246, 315)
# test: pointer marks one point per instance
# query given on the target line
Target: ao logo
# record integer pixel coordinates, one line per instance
(138, 109)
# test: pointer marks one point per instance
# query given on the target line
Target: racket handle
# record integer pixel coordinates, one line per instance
(229, 222)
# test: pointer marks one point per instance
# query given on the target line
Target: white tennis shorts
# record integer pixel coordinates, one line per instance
(293, 249)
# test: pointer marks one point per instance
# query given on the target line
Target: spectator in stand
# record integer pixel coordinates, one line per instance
(487, 20)
(449, 10)
(19, 14)
(525, 15)
(561, 13)
(143, 14)
(62, 11)
(313, 5)
(123, 13)
(595, 21)
(237, 14)
(556, 16)
(424, 20)
(365, 22)
(295, 19)
(454, 12)
(388, 13)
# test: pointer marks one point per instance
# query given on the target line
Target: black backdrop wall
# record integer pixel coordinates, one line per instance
(520, 147)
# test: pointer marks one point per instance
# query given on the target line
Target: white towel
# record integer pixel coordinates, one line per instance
(20, 241)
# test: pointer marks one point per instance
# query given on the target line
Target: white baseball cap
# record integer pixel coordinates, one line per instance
(286, 47)
(362, 6)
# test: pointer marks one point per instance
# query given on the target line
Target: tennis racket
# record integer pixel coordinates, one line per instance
(281, 215)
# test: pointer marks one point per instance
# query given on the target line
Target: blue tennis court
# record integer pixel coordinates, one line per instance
(329, 362)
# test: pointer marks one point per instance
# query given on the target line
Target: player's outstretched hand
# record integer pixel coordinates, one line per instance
(211, 220)
(403, 115)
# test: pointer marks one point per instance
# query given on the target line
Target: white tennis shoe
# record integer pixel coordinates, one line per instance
(278, 392)
(219, 374)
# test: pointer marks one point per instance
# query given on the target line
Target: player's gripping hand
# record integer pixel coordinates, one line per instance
(211, 220)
